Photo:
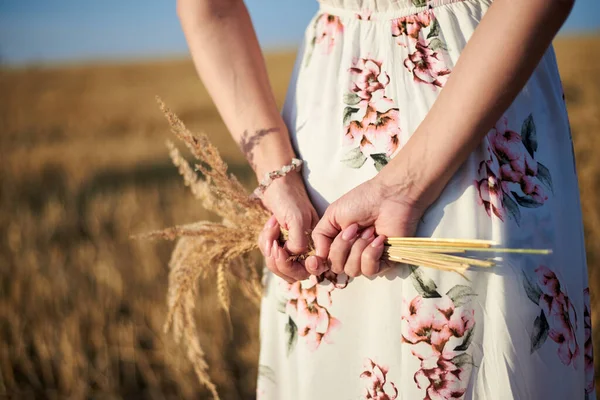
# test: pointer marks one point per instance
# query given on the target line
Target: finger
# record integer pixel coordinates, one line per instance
(298, 229)
(272, 266)
(369, 261)
(340, 248)
(324, 234)
(269, 233)
(266, 237)
(290, 269)
(352, 267)
(315, 266)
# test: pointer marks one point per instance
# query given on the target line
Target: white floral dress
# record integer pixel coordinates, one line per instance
(365, 77)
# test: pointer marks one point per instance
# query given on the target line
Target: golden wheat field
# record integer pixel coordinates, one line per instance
(83, 166)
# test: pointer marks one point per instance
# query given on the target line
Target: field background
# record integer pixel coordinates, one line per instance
(83, 165)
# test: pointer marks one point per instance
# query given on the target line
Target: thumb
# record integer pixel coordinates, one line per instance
(324, 233)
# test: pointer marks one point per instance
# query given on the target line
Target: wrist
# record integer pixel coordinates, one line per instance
(414, 176)
(397, 181)
(267, 150)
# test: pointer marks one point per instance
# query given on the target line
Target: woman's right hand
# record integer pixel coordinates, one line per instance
(292, 210)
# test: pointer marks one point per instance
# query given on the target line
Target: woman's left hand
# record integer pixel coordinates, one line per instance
(352, 232)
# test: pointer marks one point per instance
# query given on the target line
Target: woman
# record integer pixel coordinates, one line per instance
(388, 153)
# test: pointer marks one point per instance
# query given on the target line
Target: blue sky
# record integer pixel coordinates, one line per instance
(46, 31)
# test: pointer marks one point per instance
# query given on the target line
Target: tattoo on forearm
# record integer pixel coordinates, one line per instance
(249, 141)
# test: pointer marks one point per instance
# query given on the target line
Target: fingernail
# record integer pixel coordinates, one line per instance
(268, 249)
(378, 241)
(272, 222)
(275, 250)
(350, 232)
(367, 233)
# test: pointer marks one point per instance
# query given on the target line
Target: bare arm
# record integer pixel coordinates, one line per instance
(494, 66)
(228, 59)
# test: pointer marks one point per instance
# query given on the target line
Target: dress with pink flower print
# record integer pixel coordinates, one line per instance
(366, 76)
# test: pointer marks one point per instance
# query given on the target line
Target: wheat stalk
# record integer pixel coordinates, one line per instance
(222, 248)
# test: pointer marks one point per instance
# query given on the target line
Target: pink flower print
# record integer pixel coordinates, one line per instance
(559, 313)
(547, 281)
(589, 348)
(508, 147)
(490, 196)
(376, 132)
(439, 376)
(369, 77)
(490, 188)
(515, 179)
(306, 306)
(531, 187)
(309, 290)
(410, 26)
(423, 324)
(328, 30)
(315, 324)
(458, 323)
(376, 380)
(427, 66)
(434, 325)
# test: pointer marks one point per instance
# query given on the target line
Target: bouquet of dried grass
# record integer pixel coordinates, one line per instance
(204, 245)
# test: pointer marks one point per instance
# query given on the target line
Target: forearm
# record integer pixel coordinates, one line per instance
(228, 59)
(492, 69)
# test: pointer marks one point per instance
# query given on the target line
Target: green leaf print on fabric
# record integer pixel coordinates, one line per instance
(435, 29)
(281, 305)
(525, 201)
(543, 175)
(351, 99)
(425, 286)
(349, 113)
(557, 319)
(532, 289)
(511, 177)
(529, 135)
(468, 339)
(436, 44)
(370, 118)
(540, 332)
(381, 160)
(419, 3)
(266, 372)
(460, 294)
(354, 158)
(462, 359)
(512, 207)
(292, 333)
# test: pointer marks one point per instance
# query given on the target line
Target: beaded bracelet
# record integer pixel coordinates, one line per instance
(296, 165)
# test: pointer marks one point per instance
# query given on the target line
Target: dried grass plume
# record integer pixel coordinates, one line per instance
(208, 249)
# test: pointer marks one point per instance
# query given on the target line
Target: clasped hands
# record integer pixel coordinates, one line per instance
(348, 238)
